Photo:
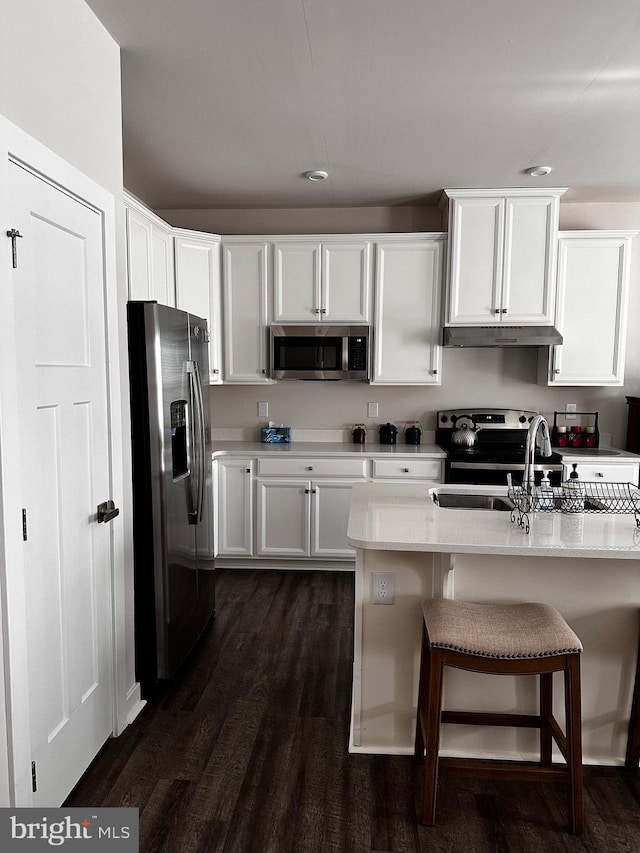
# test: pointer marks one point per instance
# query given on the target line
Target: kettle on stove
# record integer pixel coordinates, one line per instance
(388, 433)
(465, 433)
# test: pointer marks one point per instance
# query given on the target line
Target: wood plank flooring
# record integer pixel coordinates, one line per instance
(246, 751)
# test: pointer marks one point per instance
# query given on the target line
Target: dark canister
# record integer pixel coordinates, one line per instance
(412, 432)
(388, 433)
(359, 433)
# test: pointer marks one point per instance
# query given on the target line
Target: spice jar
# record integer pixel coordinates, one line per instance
(562, 439)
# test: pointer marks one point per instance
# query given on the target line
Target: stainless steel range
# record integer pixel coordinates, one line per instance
(484, 445)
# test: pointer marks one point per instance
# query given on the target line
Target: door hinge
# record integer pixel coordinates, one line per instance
(24, 525)
(34, 780)
(13, 234)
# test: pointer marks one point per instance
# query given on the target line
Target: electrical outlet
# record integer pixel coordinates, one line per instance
(263, 409)
(372, 410)
(570, 410)
(382, 587)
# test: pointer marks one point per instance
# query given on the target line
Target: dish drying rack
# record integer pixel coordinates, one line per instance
(599, 498)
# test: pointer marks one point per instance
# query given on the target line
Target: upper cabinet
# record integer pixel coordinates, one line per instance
(197, 258)
(593, 280)
(246, 297)
(502, 256)
(407, 327)
(327, 281)
(150, 270)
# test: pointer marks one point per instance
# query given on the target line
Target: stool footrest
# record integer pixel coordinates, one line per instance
(478, 718)
(513, 771)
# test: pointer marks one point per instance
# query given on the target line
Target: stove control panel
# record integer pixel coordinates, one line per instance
(487, 418)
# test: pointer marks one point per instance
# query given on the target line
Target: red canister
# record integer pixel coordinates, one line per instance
(576, 436)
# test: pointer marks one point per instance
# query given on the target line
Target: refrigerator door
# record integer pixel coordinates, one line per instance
(203, 487)
(164, 453)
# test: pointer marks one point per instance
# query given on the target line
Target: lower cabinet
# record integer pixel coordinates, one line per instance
(233, 513)
(303, 518)
(297, 508)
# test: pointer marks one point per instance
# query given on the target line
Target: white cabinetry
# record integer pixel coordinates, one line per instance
(502, 256)
(150, 271)
(322, 280)
(198, 288)
(246, 301)
(431, 470)
(407, 327)
(624, 471)
(233, 484)
(303, 506)
(593, 280)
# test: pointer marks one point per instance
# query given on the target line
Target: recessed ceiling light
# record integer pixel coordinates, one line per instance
(539, 171)
(317, 175)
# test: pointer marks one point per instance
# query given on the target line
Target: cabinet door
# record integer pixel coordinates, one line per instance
(150, 272)
(331, 502)
(245, 283)
(234, 508)
(346, 282)
(528, 288)
(283, 508)
(198, 290)
(476, 235)
(593, 277)
(407, 333)
(296, 292)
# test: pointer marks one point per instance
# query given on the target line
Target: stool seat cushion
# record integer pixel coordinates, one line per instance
(512, 631)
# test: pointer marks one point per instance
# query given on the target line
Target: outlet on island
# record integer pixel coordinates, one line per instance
(382, 587)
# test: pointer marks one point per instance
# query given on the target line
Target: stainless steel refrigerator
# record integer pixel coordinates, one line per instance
(172, 490)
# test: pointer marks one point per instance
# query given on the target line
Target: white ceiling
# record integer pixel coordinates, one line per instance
(227, 102)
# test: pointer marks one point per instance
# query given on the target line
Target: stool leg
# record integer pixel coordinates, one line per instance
(432, 734)
(423, 689)
(574, 743)
(632, 758)
(546, 710)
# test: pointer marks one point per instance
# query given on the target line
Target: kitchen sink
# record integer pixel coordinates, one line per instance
(451, 500)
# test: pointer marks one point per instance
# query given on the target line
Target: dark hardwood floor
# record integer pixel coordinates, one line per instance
(246, 751)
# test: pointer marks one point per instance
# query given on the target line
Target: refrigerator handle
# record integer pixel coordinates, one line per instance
(193, 510)
(202, 475)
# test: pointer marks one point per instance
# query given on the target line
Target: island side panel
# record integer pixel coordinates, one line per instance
(386, 652)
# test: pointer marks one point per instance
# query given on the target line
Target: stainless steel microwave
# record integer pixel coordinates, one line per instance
(319, 352)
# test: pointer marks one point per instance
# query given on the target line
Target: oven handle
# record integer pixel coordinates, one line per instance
(502, 466)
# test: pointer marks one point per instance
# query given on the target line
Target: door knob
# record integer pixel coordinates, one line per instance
(107, 511)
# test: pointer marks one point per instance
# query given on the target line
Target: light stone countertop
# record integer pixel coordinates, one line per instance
(326, 448)
(403, 517)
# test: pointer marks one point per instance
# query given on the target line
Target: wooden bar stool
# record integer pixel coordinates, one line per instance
(502, 639)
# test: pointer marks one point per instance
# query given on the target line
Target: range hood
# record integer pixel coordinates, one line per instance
(501, 336)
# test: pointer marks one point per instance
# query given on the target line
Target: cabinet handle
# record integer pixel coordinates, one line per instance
(505, 310)
(599, 474)
(557, 370)
(248, 470)
(316, 311)
(309, 468)
(435, 372)
(215, 370)
(405, 470)
(307, 491)
(323, 310)
(496, 311)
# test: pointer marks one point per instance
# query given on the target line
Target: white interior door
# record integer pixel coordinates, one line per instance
(65, 464)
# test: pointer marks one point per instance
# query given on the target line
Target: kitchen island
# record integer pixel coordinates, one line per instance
(587, 566)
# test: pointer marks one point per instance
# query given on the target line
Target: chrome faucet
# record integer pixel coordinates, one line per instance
(540, 424)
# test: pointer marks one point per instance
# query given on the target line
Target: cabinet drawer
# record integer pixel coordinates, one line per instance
(605, 473)
(408, 469)
(312, 467)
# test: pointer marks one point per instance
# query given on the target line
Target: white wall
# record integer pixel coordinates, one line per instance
(60, 72)
(491, 377)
